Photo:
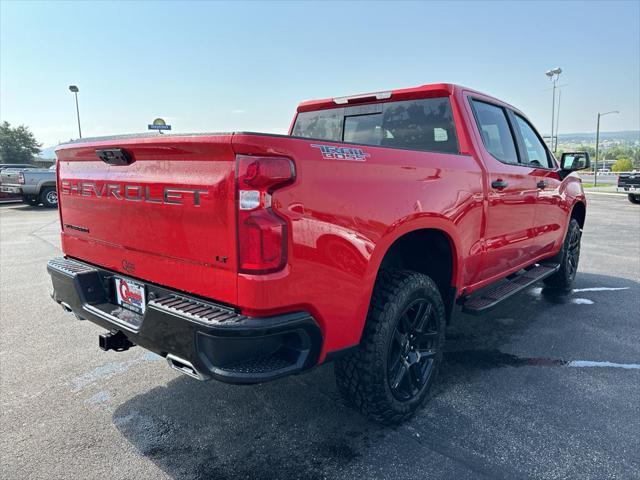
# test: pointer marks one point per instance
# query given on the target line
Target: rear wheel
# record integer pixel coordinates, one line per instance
(49, 197)
(388, 378)
(634, 198)
(569, 257)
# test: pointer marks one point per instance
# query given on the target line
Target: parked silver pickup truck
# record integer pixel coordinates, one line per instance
(36, 185)
(11, 196)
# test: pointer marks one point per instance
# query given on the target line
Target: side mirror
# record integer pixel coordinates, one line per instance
(570, 162)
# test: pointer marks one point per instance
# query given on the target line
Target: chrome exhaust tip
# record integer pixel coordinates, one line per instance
(183, 366)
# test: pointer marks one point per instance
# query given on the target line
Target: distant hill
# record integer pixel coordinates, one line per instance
(626, 136)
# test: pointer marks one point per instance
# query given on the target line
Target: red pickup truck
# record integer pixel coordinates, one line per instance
(245, 257)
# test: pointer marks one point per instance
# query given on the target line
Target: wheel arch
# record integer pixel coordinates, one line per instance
(45, 184)
(579, 212)
(428, 249)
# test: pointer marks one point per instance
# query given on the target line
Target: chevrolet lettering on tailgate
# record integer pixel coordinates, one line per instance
(133, 192)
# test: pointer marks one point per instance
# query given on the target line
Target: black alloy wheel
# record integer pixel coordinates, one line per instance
(567, 259)
(413, 349)
(573, 253)
(389, 375)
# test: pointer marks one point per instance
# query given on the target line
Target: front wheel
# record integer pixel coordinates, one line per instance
(31, 200)
(634, 198)
(569, 257)
(389, 376)
(49, 197)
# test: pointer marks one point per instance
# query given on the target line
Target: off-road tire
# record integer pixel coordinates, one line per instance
(634, 198)
(49, 197)
(363, 377)
(568, 257)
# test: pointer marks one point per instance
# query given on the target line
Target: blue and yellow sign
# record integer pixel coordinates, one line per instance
(159, 124)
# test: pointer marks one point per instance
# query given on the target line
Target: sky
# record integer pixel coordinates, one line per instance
(214, 66)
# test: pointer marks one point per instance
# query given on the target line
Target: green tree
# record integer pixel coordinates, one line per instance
(17, 145)
(622, 165)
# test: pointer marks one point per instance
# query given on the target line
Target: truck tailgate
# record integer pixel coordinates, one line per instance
(9, 176)
(167, 216)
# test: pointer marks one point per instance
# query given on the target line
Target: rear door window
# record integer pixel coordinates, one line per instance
(425, 124)
(496, 133)
(420, 125)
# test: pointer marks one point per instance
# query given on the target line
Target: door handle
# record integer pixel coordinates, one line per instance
(499, 184)
(541, 184)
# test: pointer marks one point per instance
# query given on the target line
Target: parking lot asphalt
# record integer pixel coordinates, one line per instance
(517, 396)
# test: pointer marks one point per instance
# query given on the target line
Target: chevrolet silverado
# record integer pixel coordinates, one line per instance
(246, 257)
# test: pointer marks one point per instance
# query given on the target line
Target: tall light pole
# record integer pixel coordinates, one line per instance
(75, 90)
(553, 75)
(595, 171)
(558, 119)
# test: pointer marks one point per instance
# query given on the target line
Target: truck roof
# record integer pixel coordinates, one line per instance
(422, 91)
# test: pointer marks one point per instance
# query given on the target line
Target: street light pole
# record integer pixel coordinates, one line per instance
(553, 113)
(595, 164)
(595, 171)
(554, 75)
(555, 148)
(75, 90)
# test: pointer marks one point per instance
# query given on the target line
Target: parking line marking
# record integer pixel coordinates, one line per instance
(616, 194)
(589, 363)
(599, 289)
(498, 359)
(110, 369)
(581, 301)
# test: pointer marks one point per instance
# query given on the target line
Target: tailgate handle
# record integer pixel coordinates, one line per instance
(114, 156)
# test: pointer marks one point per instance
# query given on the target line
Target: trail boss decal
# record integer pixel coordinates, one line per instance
(134, 192)
(330, 152)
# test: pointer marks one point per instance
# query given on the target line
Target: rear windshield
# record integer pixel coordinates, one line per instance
(425, 124)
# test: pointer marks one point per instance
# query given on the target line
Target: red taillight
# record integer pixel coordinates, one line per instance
(262, 235)
(20, 177)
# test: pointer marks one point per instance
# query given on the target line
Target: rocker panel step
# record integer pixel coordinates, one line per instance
(489, 298)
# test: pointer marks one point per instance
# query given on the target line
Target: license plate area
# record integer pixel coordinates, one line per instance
(130, 295)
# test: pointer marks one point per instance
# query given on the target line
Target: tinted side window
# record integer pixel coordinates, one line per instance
(534, 148)
(425, 124)
(323, 124)
(496, 134)
(420, 125)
